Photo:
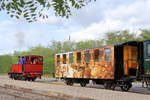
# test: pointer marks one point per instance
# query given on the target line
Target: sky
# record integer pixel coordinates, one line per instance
(90, 22)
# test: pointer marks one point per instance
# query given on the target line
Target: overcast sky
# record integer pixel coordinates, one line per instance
(90, 22)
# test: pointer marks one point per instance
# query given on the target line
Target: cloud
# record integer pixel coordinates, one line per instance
(131, 16)
(20, 38)
(95, 12)
(95, 31)
(135, 14)
(52, 20)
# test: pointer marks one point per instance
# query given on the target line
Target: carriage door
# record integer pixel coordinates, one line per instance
(126, 59)
(147, 58)
(130, 60)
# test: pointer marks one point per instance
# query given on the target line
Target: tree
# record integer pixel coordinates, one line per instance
(5, 63)
(145, 34)
(56, 46)
(88, 44)
(32, 9)
(119, 36)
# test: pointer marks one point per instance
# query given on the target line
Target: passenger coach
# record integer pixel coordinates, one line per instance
(112, 65)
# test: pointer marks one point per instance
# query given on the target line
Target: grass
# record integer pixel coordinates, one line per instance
(47, 75)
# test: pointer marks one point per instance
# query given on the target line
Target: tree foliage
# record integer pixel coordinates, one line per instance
(119, 36)
(145, 34)
(32, 9)
(5, 63)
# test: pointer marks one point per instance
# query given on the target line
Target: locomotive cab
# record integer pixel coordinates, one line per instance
(27, 68)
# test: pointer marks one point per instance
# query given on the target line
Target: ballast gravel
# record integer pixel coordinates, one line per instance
(75, 92)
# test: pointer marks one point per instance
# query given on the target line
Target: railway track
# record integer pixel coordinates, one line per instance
(23, 94)
(57, 90)
(11, 92)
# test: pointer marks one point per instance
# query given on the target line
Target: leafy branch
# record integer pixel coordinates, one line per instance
(33, 9)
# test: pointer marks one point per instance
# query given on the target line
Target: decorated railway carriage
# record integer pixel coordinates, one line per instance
(27, 68)
(144, 62)
(113, 65)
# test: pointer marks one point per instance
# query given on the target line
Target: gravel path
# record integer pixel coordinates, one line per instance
(76, 92)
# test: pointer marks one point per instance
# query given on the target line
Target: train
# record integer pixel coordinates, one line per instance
(27, 68)
(116, 65)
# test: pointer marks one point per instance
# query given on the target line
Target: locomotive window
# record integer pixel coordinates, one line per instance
(58, 59)
(96, 55)
(87, 57)
(27, 59)
(107, 54)
(41, 59)
(148, 49)
(64, 58)
(79, 57)
(19, 60)
(71, 58)
(34, 60)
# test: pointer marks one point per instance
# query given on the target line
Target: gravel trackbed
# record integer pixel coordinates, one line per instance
(37, 91)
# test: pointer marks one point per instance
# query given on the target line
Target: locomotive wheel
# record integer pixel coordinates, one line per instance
(83, 83)
(28, 79)
(126, 87)
(33, 79)
(19, 77)
(15, 77)
(24, 78)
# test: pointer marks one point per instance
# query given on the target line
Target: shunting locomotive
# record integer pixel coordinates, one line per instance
(110, 65)
(27, 68)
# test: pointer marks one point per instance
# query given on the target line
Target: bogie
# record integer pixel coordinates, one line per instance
(83, 83)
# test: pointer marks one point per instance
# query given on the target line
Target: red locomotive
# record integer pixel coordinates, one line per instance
(27, 68)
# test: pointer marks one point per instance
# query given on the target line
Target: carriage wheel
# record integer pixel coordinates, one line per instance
(83, 83)
(69, 82)
(107, 85)
(126, 87)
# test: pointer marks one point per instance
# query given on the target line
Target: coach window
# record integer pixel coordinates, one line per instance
(71, 58)
(107, 54)
(96, 55)
(58, 59)
(64, 58)
(79, 57)
(87, 56)
(148, 50)
(133, 54)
